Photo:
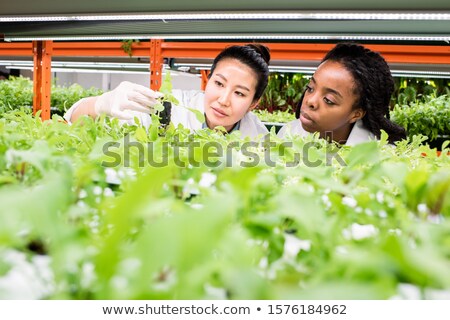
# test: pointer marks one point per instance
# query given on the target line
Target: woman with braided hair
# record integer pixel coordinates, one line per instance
(347, 98)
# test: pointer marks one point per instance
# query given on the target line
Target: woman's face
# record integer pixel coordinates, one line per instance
(328, 102)
(229, 94)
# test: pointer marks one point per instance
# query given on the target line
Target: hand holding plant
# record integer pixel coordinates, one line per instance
(127, 97)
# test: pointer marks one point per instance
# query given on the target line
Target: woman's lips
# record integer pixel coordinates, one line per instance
(219, 112)
(304, 117)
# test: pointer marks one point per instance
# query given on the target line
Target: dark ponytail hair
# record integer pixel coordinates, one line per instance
(254, 55)
(374, 87)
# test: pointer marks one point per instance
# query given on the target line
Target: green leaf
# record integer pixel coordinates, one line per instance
(199, 115)
(140, 135)
(363, 154)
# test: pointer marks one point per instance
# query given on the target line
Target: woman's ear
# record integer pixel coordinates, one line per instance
(357, 114)
(253, 105)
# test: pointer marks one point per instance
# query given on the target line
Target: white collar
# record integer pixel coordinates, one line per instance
(359, 134)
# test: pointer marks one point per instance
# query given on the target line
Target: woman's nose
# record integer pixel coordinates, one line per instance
(224, 98)
(311, 101)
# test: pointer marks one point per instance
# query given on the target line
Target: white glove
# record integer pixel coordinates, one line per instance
(127, 97)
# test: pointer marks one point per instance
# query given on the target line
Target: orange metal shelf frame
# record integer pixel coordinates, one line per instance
(279, 51)
(157, 49)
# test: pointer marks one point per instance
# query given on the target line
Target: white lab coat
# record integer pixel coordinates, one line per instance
(250, 125)
(358, 134)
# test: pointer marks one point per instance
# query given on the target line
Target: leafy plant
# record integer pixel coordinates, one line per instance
(18, 92)
(409, 90)
(283, 92)
(275, 116)
(64, 97)
(429, 117)
(127, 46)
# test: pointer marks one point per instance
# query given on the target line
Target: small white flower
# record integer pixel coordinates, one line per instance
(97, 190)
(87, 274)
(435, 218)
(422, 208)
(368, 212)
(380, 196)
(397, 232)
(196, 206)
(359, 231)
(407, 291)
(215, 292)
(126, 172)
(93, 224)
(81, 204)
(108, 192)
(26, 279)
(326, 201)
(82, 194)
(112, 177)
(349, 201)
(382, 214)
(435, 294)
(190, 187)
(293, 245)
(207, 179)
(263, 263)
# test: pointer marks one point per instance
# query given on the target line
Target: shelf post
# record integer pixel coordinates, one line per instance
(156, 63)
(42, 56)
(205, 74)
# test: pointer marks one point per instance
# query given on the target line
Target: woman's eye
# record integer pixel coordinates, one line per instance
(328, 101)
(309, 89)
(218, 83)
(240, 94)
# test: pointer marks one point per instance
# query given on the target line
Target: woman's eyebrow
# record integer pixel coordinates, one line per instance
(239, 86)
(243, 87)
(221, 76)
(327, 89)
(333, 91)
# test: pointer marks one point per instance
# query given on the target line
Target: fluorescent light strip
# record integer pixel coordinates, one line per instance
(192, 64)
(87, 64)
(303, 15)
(80, 70)
(72, 67)
(287, 69)
(295, 36)
(101, 65)
(311, 70)
(420, 73)
(76, 70)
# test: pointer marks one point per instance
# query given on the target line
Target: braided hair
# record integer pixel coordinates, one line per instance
(374, 87)
(256, 56)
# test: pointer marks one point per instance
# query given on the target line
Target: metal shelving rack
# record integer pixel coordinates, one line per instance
(156, 50)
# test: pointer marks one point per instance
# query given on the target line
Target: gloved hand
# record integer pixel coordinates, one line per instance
(127, 97)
